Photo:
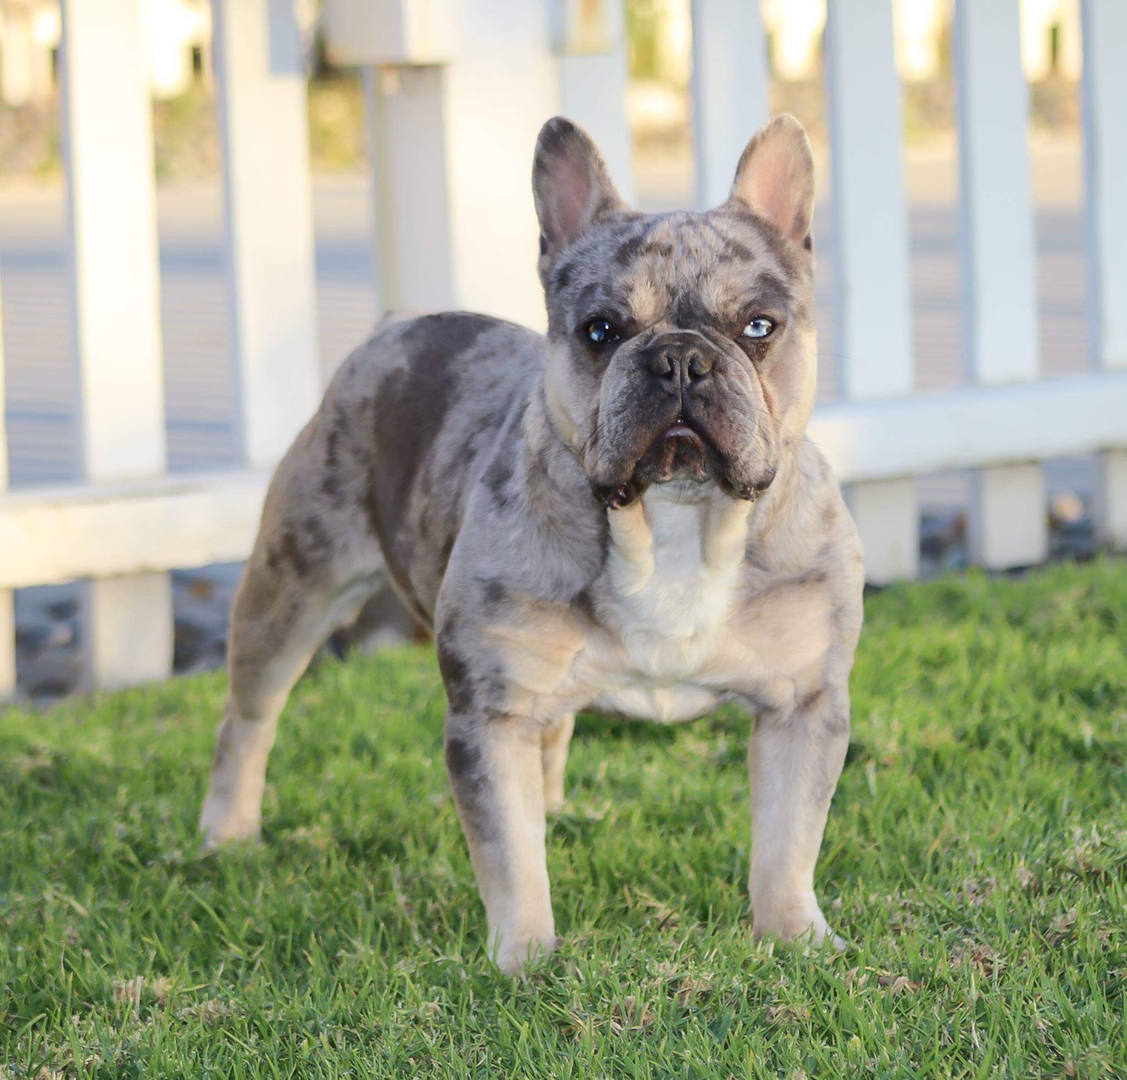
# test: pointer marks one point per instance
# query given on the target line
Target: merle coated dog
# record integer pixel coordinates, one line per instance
(621, 515)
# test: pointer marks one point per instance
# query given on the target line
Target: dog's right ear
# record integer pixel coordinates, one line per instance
(570, 184)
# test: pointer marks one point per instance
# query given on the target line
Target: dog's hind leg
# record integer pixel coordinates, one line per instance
(553, 752)
(312, 568)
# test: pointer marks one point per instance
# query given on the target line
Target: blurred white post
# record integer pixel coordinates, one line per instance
(871, 224)
(16, 44)
(410, 187)
(7, 600)
(116, 308)
(369, 84)
(503, 84)
(730, 90)
(590, 40)
(402, 47)
(7, 644)
(260, 72)
(887, 519)
(1008, 518)
(1105, 168)
(1111, 499)
(25, 74)
(458, 94)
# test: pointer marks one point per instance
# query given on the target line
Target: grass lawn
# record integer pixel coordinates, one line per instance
(976, 858)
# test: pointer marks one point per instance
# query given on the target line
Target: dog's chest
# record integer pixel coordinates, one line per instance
(667, 597)
(672, 609)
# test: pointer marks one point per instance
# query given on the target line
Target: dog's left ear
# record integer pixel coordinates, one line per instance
(570, 184)
(775, 178)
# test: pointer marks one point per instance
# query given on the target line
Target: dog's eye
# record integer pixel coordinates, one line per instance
(601, 332)
(759, 327)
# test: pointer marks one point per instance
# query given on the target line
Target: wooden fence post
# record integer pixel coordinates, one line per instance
(1105, 170)
(260, 74)
(116, 309)
(1008, 518)
(870, 219)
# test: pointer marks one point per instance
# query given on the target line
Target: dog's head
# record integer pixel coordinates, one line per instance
(681, 344)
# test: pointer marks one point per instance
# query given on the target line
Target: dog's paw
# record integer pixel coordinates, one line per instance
(794, 918)
(214, 839)
(220, 828)
(514, 954)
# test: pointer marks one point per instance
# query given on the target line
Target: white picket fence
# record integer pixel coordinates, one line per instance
(456, 93)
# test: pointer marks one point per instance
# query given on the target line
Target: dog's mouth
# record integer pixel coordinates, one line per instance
(679, 452)
(681, 429)
(682, 452)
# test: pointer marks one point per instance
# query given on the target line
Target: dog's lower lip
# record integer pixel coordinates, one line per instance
(678, 430)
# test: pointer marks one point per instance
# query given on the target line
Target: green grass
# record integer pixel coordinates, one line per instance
(975, 858)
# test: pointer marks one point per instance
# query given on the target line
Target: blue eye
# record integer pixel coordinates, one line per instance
(601, 332)
(758, 328)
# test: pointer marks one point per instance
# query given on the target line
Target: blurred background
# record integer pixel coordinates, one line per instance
(362, 217)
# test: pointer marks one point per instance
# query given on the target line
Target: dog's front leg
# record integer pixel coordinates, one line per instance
(495, 767)
(794, 761)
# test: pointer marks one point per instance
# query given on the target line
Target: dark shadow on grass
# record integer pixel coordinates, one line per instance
(613, 726)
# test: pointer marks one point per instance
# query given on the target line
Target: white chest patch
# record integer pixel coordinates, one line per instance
(672, 575)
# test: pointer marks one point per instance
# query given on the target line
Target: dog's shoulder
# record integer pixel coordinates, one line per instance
(445, 342)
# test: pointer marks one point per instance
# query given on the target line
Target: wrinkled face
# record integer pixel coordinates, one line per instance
(682, 345)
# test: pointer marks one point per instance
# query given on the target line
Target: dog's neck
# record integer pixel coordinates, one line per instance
(549, 461)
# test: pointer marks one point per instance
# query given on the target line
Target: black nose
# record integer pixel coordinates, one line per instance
(679, 361)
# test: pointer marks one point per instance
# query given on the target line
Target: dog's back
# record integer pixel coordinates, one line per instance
(416, 409)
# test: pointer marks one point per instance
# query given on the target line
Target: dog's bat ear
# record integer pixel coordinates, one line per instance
(775, 178)
(570, 184)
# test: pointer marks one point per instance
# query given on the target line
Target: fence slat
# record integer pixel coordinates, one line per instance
(4, 474)
(999, 254)
(1104, 86)
(7, 599)
(874, 338)
(454, 207)
(260, 72)
(1009, 527)
(730, 90)
(410, 187)
(130, 630)
(25, 74)
(593, 89)
(112, 204)
(7, 644)
(116, 308)
(999, 261)
(1111, 499)
(869, 207)
(494, 112)
(890, 536)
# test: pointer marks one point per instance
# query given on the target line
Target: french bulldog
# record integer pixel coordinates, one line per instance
(621, 515)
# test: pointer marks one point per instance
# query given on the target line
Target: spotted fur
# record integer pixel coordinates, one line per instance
(636, 526)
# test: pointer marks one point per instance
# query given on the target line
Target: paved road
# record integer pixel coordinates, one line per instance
(33, 285)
